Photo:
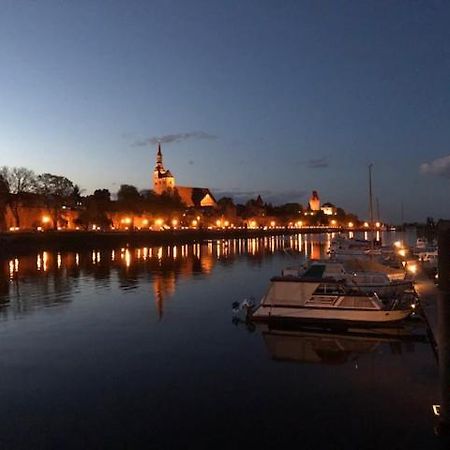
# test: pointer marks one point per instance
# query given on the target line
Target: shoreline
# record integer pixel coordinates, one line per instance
(25, 242)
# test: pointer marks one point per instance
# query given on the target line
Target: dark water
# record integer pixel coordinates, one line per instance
(135, 348)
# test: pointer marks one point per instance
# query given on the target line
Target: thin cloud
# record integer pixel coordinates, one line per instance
(320, 163)
(439, 166)
(175, 137)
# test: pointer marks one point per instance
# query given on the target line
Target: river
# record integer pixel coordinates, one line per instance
(133, 348)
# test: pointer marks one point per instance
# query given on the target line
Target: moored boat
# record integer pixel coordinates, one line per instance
(327, 301)
(368, 281)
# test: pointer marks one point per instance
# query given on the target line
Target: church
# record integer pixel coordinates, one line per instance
(164, 181)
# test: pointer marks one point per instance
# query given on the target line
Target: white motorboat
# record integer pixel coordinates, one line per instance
(367, 281)
(344, 248)
(326, 301)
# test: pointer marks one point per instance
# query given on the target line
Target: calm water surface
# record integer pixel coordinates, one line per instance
(135, 348)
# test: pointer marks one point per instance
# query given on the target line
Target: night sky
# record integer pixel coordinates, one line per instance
(247, 97)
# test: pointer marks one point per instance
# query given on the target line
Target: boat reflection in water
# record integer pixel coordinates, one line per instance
(335, 347)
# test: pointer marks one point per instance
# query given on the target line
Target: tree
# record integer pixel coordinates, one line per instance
(102, 196)
(227, 207)
(76, 197)
(129, 199)
(17, 181)
(4, 186)
(95, 210)
(128, 193)
(166, 203)
(56, 191)
(4, 194)
(255, 207)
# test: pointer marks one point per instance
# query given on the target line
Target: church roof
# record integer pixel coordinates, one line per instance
(193, 196)
(164, 174)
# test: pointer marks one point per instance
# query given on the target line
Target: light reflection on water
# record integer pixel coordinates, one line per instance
(49, 276)
(134, 348)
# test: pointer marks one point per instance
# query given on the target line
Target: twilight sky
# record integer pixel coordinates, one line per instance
(247, 96)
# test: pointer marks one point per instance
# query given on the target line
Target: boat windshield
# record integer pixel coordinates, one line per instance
(329, 289)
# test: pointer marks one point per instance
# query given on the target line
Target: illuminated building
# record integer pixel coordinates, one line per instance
(164, 181)
(314, 202)
(328, 209)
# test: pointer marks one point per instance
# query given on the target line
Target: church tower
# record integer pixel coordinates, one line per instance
(314, 201)
(163, 180)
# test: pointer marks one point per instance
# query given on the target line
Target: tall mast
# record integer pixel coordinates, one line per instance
(378, 210)
(371, 206)
(370, 196)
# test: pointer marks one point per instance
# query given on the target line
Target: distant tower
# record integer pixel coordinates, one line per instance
(314, 202)
(163, 180)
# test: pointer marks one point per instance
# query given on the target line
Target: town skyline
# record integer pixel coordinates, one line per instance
(288, 99)
(23, 182)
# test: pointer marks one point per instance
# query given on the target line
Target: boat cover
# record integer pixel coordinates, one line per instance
(289, 293)
(366, 265)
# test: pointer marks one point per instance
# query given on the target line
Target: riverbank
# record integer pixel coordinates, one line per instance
(23, 242)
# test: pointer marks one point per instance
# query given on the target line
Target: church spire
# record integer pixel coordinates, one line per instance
(159, 158)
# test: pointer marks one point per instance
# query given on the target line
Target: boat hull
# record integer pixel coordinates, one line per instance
(329, 315)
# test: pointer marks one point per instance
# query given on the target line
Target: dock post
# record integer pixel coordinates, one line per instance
(443, 321)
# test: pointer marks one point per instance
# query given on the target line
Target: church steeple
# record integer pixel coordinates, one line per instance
(159, 159)
(163, 180)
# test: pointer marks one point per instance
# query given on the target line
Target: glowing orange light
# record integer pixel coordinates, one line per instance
(350, 224)
(366, 224)
(194, 223)
(46, 219)
(174, 222)
(378, 224)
